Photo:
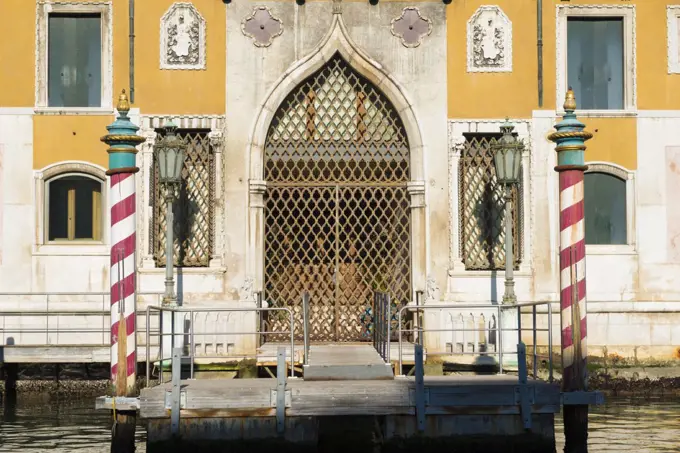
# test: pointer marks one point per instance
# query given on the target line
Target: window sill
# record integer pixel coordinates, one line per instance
(104, 111)
(500, 274)
(72, 248)
(613, 249)
(184, 270)
(626, 113)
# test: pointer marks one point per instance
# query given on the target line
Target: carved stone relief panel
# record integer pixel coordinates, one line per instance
(411, 27)
(489, 41)
(262, 26)
(182, 38)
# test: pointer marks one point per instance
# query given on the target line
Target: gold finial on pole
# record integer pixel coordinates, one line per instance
(123, 103)
(570, 101)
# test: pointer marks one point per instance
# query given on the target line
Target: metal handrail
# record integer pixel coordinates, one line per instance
(101, 297)
(192, 333)
(498, 330)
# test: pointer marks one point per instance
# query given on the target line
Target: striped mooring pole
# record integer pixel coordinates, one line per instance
(122, 140)
(570, 138)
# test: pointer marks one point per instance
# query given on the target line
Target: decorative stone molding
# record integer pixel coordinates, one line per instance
(246, 292)
(627, 12)
(411, 27)
(432, 292)
(183, 40)
(213, 122)
(416, 189)
(43, 10)
(261, 26)
(673, 38)
(489, 41)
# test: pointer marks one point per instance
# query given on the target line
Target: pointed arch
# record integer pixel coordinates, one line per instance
(336, 41)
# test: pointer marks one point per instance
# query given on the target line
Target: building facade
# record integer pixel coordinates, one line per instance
(342, 147)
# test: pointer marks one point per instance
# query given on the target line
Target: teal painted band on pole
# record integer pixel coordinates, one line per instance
(570, 136)
(122, 138)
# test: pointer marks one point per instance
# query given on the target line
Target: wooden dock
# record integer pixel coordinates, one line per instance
(350, 385)
(444, 395)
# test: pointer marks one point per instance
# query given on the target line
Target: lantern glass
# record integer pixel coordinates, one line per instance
(507, 156)
(170, 154)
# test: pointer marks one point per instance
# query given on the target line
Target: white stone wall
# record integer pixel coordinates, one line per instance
(633, 300)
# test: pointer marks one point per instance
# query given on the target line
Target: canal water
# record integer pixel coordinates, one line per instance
(40, 424)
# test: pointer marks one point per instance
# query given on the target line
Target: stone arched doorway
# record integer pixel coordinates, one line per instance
(336, 207)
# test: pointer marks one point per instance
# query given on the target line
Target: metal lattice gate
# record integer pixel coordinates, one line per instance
(337, 212)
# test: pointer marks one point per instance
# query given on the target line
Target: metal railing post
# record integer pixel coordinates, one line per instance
(499, 330)
(550, 344)
(420, 387)
(176, 375)
(147, 337)
(388, 320)
(160, 344)
(281, 390)
(292, 344)
(192, 347)
(399, 339)
(305, 326)
(535, 355)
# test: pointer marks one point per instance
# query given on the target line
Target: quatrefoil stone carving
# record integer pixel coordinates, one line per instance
(411, 27)
(262, 26)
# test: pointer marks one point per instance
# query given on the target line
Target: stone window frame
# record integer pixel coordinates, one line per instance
(42, 179)
(456, 130)
(628, 176)
(628, 14)
(673, 40)
(43, 10)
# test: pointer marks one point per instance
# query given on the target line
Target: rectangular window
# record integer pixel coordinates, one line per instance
(74, 60)
(482, 208)
(595, 62)
(193, 210)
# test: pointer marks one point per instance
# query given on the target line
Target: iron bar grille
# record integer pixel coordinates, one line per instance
(482, 208)
(193, 209)
(337, 212)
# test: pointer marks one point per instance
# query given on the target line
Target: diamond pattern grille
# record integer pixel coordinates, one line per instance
(337, 213)
(482, 209)
(193, 210)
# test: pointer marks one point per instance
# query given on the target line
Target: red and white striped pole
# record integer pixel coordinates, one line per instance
(122, 140)
(570, 138)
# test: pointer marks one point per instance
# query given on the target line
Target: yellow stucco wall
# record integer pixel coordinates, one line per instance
(614, 140)
(187, 91)
(17, 59)
(68, 137)
(471, 95)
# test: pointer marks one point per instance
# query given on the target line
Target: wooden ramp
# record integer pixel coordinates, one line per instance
(347, 362)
